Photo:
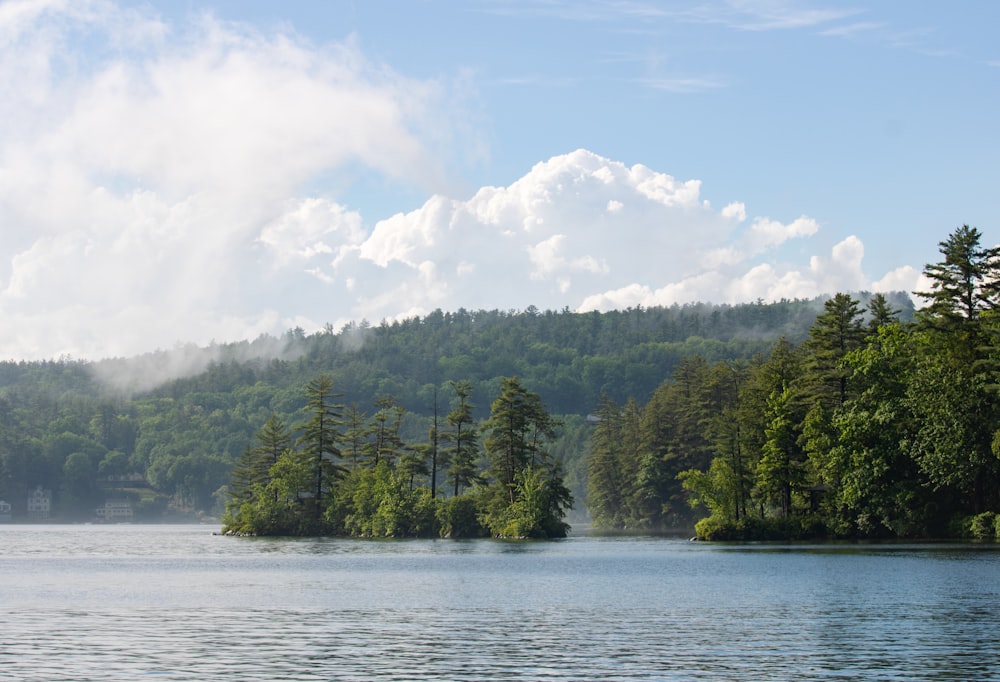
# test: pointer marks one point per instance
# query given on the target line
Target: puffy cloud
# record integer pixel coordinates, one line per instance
(905, 278)
(166, 191)
(736, 210)
(309, 228)
(549, 240)
(147, 189)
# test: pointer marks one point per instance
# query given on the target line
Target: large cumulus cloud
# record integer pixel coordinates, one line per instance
(135, 178)
(590, 233)
(186, 183)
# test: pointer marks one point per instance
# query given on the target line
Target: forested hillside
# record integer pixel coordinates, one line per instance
(90, 431)
(870, 427)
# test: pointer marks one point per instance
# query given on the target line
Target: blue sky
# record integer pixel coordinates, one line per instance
(185, 171)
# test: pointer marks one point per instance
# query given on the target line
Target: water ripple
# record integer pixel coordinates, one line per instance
(187, 606)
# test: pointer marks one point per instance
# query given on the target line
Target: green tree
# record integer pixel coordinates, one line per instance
(675, 427)
(356, 433)
(881, 313)
(715, 489)
(527, 497)
(320, 438)
(735, 477)
(464, 441)
(953, 443)
(606, 497)
(952, 392)
(387, 419)
(79, 488)
(540, 501)
(838, 330)
(616, 452)
(516, 432)
(780, 471)
(880, 490)
(382, 503)
(965, 283)
(253, 470)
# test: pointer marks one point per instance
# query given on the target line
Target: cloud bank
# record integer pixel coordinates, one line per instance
(186, 184)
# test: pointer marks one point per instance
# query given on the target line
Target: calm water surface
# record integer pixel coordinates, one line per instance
(179, 603)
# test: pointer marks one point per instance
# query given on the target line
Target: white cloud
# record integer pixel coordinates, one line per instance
(762, 235)
(165, 192)
(736, 210)
(549, 240)
(144, 189)
(765, 232)
(906, 278)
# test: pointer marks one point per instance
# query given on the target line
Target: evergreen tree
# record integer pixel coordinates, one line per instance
(880, 313)
(780, 470)
(320, 438)
(388, 418)
(725, 433)
(952, 390)
(675, 427)
(464, 448)
(253, 468)
(965, 283)
(606, 498)
(527, 497)
(356, 433)
(880, 490)
(508, 428)
(837, 331)
(770, 421)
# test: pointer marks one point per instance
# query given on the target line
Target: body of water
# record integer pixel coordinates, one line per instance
(180, 603)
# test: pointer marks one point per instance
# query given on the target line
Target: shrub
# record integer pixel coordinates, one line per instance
(982, 526)
(459, 517)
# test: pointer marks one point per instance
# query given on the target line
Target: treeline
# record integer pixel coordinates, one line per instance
(79, 429)
(868, 428)
(343, 477)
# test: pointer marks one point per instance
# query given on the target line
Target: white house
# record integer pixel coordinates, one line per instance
(40, 503)
(115, 511)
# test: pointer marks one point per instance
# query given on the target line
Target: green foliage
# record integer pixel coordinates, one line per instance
(458, 517)
(985, 526)
(717, 490)
(874, 426)
(376, 496)
(463, 450)
(862, 430)
(527, 497)
(381, 504)
(784, 529)
(537, 510)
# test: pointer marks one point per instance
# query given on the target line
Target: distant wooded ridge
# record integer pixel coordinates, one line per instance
(182, 418)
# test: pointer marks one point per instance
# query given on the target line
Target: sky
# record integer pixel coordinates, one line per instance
(181, 172)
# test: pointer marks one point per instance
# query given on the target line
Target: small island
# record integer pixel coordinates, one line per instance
(335, 480)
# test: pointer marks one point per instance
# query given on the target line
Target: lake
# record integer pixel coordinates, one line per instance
(180, 603)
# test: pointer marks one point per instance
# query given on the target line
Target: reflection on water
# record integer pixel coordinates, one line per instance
(179, 603)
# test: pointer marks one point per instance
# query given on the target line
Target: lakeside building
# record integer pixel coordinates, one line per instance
(134, 477)
(115, 511)
(40, 503)
(5, 515)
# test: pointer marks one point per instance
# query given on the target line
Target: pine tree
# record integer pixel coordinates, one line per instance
(964, 284)
(606, 499)
(321, 436)
(838, 330)
(464, 448)
(527, 496)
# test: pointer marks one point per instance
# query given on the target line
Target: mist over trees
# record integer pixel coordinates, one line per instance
(179, 448)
